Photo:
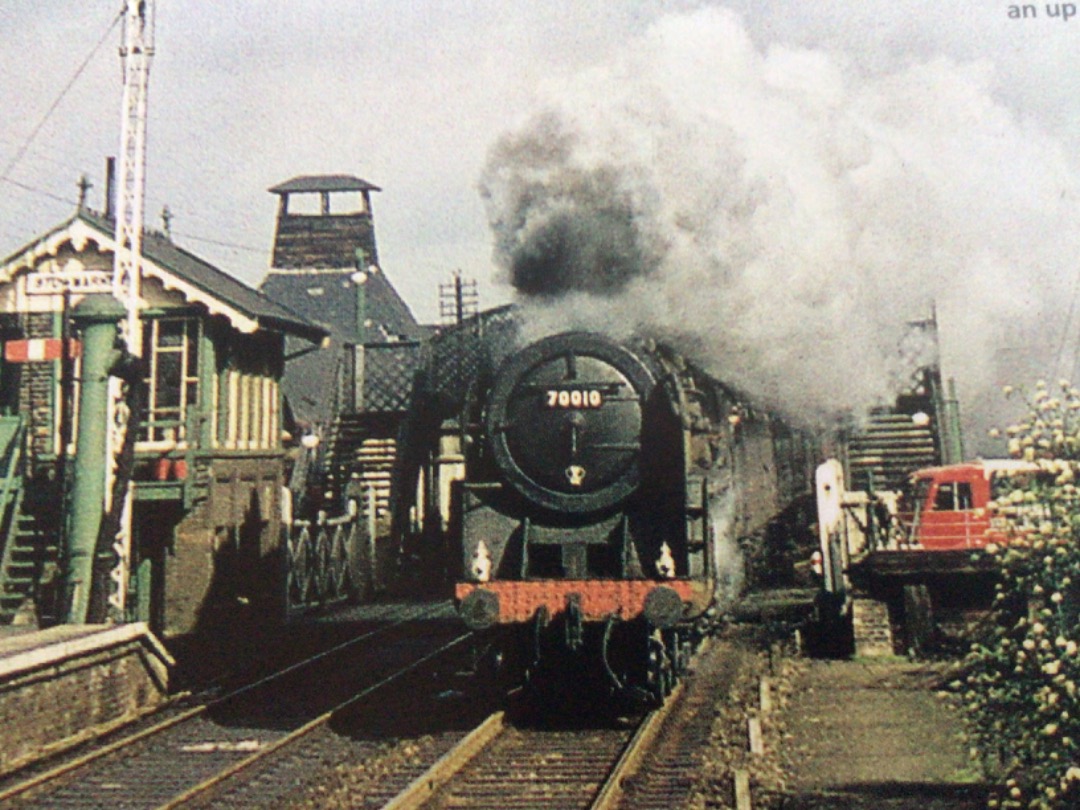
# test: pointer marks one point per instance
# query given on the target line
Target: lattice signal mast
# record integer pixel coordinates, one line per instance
(135, 54)
(136, 51)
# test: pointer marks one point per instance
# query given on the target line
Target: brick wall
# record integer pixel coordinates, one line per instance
(37, 387)
(227, 564)
(54, 700)
(873, 629)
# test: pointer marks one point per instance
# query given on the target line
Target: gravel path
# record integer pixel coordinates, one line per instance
(860, 734)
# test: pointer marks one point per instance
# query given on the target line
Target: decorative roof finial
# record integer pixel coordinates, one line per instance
(84, 186)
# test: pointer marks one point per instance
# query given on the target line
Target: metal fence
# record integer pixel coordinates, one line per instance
(329, 559)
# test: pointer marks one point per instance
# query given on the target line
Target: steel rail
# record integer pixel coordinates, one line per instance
(80, 762)
(92, 756)
(608, 796)
(611, 792)
(422, 789)
(207, 785)
(629, 762)
(424, 786)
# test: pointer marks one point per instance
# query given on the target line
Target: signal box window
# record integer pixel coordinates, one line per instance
(171, 348)
(952, 496)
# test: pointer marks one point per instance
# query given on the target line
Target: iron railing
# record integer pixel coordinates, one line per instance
(328, 561)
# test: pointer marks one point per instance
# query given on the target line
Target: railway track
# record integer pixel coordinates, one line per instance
(193, 756)
(501, 766)
(396, 738)
(653, 764)
(672, 770)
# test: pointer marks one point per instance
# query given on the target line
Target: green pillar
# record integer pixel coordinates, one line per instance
(359, 279)
(955, 432)
(96, 317)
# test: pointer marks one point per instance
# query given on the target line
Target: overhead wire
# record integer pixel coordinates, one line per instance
(220, 242)
(182, 234)
(42, 192)
(183, 211)
(5, 174)
(28, 141)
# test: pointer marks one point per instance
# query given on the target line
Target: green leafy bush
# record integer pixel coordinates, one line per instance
(1024, 675)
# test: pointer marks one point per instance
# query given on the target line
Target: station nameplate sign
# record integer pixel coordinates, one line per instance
(81, 281)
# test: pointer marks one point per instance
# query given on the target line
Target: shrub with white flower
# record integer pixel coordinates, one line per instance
(1022, 684)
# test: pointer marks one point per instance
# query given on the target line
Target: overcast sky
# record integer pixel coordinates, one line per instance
(412, 96)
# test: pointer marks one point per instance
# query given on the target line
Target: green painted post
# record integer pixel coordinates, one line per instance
(360, 278)
(956, 432)
(144, 572)
(206, 404)
(96, 317)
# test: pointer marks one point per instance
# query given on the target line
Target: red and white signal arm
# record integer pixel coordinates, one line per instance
(35, 350)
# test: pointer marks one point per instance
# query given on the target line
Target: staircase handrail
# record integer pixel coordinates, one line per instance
(10, 492)
(10, 459)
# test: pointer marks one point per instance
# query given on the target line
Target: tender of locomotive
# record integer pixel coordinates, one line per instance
(608, 489)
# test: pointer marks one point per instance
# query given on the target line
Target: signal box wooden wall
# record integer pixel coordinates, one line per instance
(209, 462)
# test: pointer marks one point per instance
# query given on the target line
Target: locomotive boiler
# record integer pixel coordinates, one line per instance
(609, 491)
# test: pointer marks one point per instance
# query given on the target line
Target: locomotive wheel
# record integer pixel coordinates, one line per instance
(492, 674)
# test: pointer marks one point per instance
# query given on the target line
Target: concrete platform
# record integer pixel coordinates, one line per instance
(876, 736)
(64, 684)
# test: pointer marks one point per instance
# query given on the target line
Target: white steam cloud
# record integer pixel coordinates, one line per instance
(784, 212)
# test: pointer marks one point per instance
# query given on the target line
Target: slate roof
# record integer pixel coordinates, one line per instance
(316, 383)
(331, 299)
(323, 182)
(204, 277)
(311, 380)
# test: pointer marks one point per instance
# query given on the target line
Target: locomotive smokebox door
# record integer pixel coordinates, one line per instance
(565, 420)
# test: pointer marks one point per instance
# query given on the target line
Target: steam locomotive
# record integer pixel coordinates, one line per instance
(610, 493)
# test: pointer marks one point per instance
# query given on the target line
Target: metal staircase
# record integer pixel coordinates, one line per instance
(359, 463)
(20, 553)
(889, 447)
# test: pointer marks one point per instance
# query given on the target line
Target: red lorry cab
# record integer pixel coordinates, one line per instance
(946, 507)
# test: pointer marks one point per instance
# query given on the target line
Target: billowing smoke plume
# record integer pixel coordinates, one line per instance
(784, 212)
(566, 227)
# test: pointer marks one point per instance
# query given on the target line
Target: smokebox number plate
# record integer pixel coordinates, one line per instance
(573, 398)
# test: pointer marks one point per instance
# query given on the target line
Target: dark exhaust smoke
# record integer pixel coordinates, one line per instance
(783, 212)
(563, 227)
